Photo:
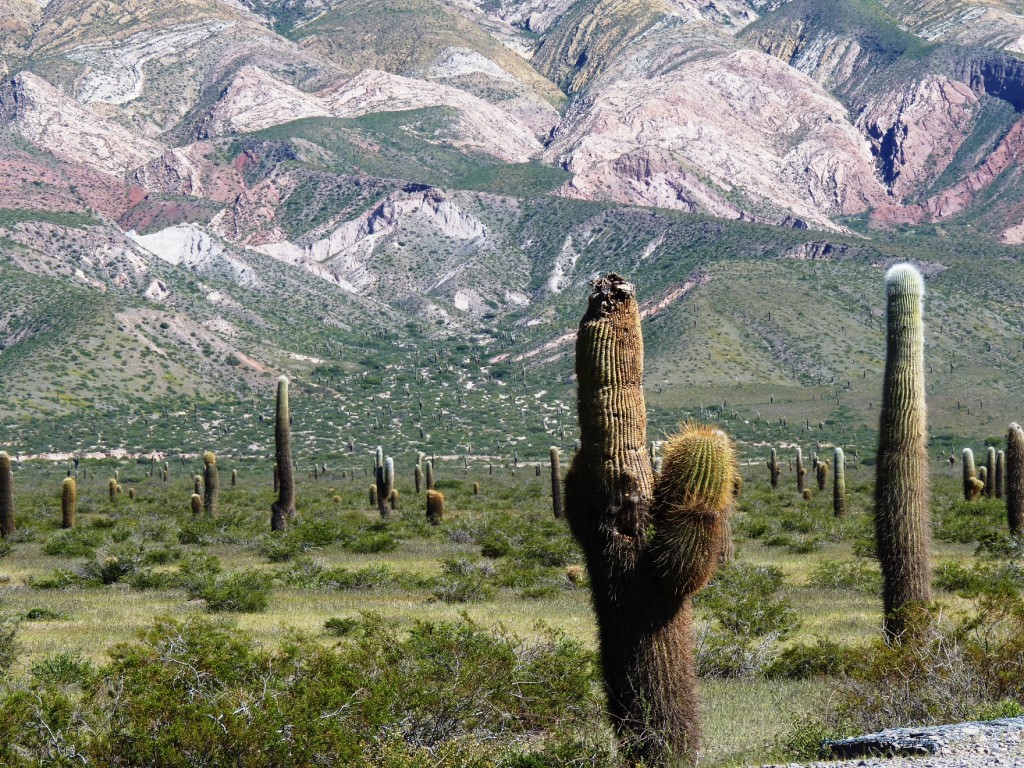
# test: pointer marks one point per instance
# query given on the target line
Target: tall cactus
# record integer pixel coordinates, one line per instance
(7, 526)
(839, 483)
(385, 478)
(648, 546)
(283, 509)
(990, 472)
(972, 485)
(774, 469)
(556, 482)
(821, 474)
(211, 483)
(801, 472)
(68, 503)
(1015, 479)
(901, 483)
(417, 476)
(429, 474)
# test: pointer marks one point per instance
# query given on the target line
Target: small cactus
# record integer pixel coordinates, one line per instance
(807, 494)
(972, 485)
(211, 483)
(556, 482)
(983, 478)
(373, 495)
(774, 469)
(68, 503)
(435, 506)
(821, 474)
(476, 489)
(112, 489)
(131, 494)
(393, 499)
(7, 526)
(429, 472)
(417, 475)
(1015, 479)
(197, 484)
(197, 505)
(385, 478)
(1000, 477)
(839, 483)
(801, 473)
(283, 510)
(234, 478)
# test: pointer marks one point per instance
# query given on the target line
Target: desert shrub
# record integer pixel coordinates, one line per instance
(44, 614)
(464, 580)
(245, 591)
(9, 646)
(442, 693)
(75, 542)
(746, 620)
(823, 658)
(62, 669)
(855, 576)
(979, 578)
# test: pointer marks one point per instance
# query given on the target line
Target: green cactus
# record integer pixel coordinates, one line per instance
(902, 523)
(211, 483)
(648, 545)
(197, 504)
(972, 485)
(839, 483)
(1000, 473)
(983, 478)
(801, 472)
(476, 489)
(234, 478)
(990, 472)
(821, 474)
(556, 481)
(774, 469)
(373, 495)
(385, 478)
(435, 506)
(393, 499)
(68, 503)
(1015, 479)
(429, 473)
(112, 489)
(417, 476)
(283, 510)
(7, 526)
(197, 484)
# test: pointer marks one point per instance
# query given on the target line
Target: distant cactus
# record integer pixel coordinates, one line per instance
(197, 505)
(68, 503)
(197, 484)
(990, 472)
(983, 478)
(1015, 479)
(7, 526)
(211, 483)
(801, 473)
(649, 544)
(112, 489)
(234, 477)
(283, 510)
(476, 489)
(373, 495)
(807, 494)
(131, 494)
(972, 485)
(821, 474)
(429, 472)
(435, 506)
(393, 499)
(839, 483)
(556, 481)
(902, 524)
(1000, 473)
(418, 477)
(385, 478)
(774, 469)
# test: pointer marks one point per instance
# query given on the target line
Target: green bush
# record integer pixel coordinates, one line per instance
(855, 576)
(75, 542)
(239, 592)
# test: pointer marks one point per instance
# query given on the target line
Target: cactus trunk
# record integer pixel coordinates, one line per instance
(211, 483)
(902, 525)
(1015, 478)
(801, 472)
(641, 587)
(972, 485)
(435, 507)
(283, 509)
(773, 468)
(990, 472)
(385, 477)
(556, 483)
(839, 483)
(68, 503)
(7, 526)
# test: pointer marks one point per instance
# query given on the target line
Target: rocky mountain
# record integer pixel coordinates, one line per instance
(195, 196)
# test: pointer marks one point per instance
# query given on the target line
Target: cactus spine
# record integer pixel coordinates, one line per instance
(972, 485)
(901, 484)
(7, 526)
(556, 482)
(773, 468)
(649, 546)
(283, 509)
(1015, 478)
(435, 506)
(801, 473)
(839, 483)
(990, 472)
(68, 503)
(211, 483)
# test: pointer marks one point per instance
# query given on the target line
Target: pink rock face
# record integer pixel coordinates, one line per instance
(742, 122)
(916, 130)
